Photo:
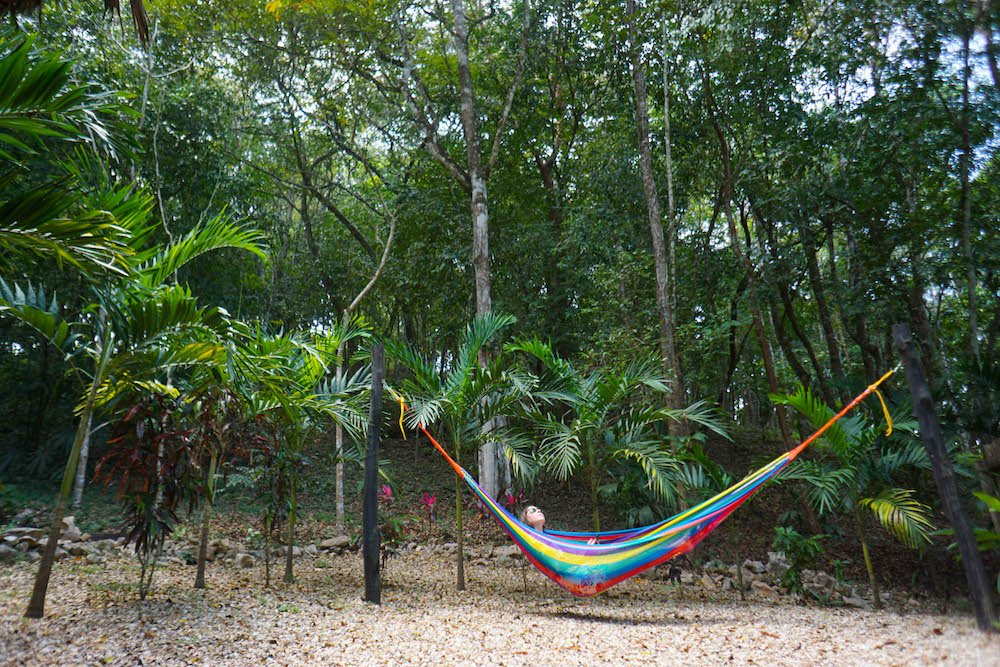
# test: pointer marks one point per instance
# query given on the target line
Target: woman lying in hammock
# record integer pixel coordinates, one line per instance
(535, 518)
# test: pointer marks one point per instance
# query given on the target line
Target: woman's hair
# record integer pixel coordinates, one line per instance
(524, 513)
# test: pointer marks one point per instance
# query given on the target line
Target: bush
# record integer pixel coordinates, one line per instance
(802, 553)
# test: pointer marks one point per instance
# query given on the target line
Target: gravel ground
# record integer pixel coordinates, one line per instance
(508, 616)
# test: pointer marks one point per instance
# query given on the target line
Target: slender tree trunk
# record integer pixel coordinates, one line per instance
(289, 575)
(859, 523)
(758, 319)
(965, 165)
(980, 587)
(677, 394)
(822, 306)
(668, 351)
(489, 477)
(460, 535)
(206, 522)
(81, 468)
(339, 448)
(594, 500)
(372, 536)
(36, 606)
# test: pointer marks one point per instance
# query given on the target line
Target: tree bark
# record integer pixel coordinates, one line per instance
(965, 203)
(81, 468)
(206, 523)
(668, 350)
(372, 536)
(727, 206)
(980, 588)
(36, 606)
(489, 477)
(822, 306)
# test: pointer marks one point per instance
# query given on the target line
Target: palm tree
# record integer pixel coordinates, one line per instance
(135, 334)
(64, 219)
(288, 378)
(858, 472)
(463, 398)
(587, 421)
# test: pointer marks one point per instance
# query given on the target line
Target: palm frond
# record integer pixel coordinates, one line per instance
(218, 233)
(840, 435)
(31, 307)
(559, 451)
(903, 516)
(660, 468)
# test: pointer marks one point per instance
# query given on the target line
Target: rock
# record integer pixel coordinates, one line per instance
(33, 536)
(70, 531)
(60, 554)
(764, 591)
(708, 583)
(8, 554)
(449, 546)
(338, 543)
(755, 566)
(94, 559)
(777, 563)
(245, 560)
(506, 551)
(23, 515)
(715, 566)
(688, 578)
(727, 584)
(857, 602)
(78, 549)
(32, 556)
(820, 583)
(104, 546)
(311, 550)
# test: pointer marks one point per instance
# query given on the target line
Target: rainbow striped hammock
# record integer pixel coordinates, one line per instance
(588, 569)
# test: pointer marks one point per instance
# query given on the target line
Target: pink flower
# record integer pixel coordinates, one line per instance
(385, 493)
(428, 500)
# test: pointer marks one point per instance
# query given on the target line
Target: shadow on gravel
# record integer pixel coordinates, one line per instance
(631, 621)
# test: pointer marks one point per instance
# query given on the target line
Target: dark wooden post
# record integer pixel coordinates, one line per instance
(372, 539)
(930, 431)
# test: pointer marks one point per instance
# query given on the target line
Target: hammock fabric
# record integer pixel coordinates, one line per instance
(588, 569)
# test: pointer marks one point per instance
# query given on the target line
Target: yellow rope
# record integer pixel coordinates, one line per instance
(402, 409)
(885, 410)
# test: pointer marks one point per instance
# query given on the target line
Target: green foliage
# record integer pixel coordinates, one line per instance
(802, 553)
(587, 422)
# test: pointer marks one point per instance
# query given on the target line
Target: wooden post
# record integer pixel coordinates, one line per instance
(930, 431)
(372, 539)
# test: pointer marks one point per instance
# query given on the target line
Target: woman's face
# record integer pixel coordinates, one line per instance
(534, 517)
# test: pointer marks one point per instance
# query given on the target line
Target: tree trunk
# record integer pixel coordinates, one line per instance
(668, 351)
(822, 306)
(206, 522)
(758, 319)
(594, 500)
(81, 468)
(36, 606)
(372, 537)
(339, 448)
(859, 523)
(965, 165)
(289, 575)
(980, 587)
(489, 478)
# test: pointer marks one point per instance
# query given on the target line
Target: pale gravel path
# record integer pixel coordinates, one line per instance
(94, 617)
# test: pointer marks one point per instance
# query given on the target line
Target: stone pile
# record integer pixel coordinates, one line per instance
(28, 542)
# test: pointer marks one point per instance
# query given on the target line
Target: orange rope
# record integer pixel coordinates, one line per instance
(850, 406)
